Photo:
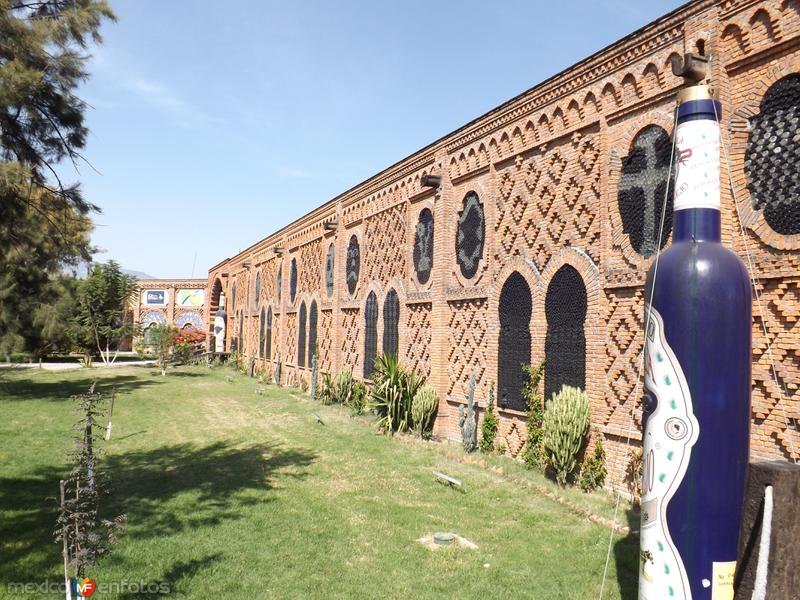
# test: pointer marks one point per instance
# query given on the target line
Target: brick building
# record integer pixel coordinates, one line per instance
(178, 302)
(537, 239)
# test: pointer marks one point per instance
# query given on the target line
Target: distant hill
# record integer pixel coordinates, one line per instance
(138, 274)
(82, 270)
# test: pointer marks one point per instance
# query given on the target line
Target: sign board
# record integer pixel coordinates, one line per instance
(154, 297)
(190, 297)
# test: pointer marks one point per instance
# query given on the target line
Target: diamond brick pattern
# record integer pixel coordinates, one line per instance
(467, 351)
(417, 355)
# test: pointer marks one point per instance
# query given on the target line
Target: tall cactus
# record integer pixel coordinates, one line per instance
(313, 387)
(467, 423)
(566, 423)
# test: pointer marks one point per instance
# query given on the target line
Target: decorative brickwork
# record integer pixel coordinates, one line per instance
(417, 354)
(468, 348)
(567, 177)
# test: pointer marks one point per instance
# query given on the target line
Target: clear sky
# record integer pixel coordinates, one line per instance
(215, 123)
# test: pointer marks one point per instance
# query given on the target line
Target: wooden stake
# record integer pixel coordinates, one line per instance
(111, 413)
(65, 550)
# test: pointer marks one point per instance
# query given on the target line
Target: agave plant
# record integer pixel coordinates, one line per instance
(393, 394)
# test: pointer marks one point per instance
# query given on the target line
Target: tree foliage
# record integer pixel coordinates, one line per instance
(103, 317)
(44, 224)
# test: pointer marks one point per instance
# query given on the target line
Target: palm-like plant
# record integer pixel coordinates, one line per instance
(393, 394)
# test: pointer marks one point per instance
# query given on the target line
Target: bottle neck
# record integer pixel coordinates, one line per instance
(697, 187)
(696, 225)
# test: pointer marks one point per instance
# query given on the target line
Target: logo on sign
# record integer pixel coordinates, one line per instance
(155, 297)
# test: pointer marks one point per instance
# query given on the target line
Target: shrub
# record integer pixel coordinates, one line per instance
(489, 425)
(566, 422)
(343, 387)
(325, 392)
(393, 392)
(358, 399)
(423, 409)
(533, 456)
(633, 473)
(593, 470)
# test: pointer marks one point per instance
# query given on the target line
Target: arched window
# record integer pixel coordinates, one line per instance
(391, 319)
(772, 156)
(268, 343)
(423, 246)
(370, 334)
(353, 264)
(240, 341)
(261, 332)
(293, 281)
(565, 345)
(279, 284)
(257, 290)
(643, 188)
(329, 270)
(148, 334)
(470, 236)
(301, 336)
(514, 348)
(312, 330)
(233, 297)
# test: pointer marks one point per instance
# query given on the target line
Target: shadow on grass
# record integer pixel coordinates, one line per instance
(174, 488)
(169, 582)
(626, 552)
(62, 389)
(163, 491)
(29, 508)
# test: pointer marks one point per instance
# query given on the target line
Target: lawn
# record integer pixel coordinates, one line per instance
(231, 494)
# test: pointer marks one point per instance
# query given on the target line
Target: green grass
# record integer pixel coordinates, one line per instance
(230, 494)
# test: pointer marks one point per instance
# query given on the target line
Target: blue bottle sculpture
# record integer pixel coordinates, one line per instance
(697, 382)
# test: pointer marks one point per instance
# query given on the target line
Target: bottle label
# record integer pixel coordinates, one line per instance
(697, 165)
(671, 430)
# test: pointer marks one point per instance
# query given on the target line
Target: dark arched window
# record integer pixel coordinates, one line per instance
(643, 187)
(261, 332)
(391, 319)
(257, 290)
(772, 156)
(268, 343)
(329, 266)
(279, 284)
(293, 281)
(470, 235)
(312, 330)
(233, 297)
(353, 264)
(423, 246)
(240, 341)
(565, 346)
(514, 349)
(301, 336)
(370, 334)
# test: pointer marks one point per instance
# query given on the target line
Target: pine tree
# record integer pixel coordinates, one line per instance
(44, 221)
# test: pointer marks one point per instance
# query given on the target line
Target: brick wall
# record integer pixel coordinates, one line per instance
(546, 167)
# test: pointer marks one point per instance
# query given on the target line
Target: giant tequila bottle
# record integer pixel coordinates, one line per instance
(697, 381)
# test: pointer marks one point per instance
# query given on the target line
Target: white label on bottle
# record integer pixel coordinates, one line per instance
(697, 168)
(671, 431)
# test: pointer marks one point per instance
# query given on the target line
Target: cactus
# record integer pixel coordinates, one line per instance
(469, 429)
(489, 425)
(566, 423)
(423, 407)
(313, 386)
(278, 370)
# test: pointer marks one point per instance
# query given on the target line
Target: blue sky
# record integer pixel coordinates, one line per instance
(212, 128)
